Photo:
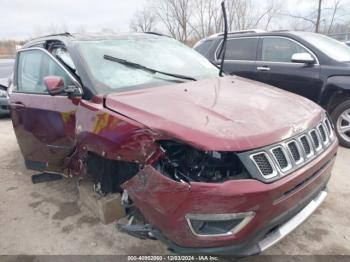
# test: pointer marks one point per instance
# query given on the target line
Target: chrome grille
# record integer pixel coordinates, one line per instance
(264, 164)
(294, 150)
(283, 158)
(328, 125)
(306, 145)
(315, 139)
(323, 133)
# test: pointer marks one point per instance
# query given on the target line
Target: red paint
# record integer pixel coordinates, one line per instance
(54, 84)
(223, 114)
(165, 203)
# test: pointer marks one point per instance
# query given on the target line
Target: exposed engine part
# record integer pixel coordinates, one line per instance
(126, 201)
(108, 175)
(139, 231)
(137, 226)
(185, 163)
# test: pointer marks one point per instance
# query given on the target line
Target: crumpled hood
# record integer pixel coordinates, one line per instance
(222, 114)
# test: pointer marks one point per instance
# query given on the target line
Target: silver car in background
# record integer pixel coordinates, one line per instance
(6, 68)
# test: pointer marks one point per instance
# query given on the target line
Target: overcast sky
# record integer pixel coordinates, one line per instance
(21, 19)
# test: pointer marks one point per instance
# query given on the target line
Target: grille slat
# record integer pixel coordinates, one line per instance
(328, 125)
(293, 148)
(280, 157)
(315, 139)
(263, 164)
(323, 133)
(306, 145)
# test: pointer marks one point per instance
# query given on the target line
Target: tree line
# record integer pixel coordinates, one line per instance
(190, 20)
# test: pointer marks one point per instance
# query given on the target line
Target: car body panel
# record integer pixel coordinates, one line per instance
(113, 135)
(45, 128)
(267, 201)
(6, 67)
(4, 109)
(214, 114)
(296, 78)
(4, 100)
(231, 114)
(310, 81)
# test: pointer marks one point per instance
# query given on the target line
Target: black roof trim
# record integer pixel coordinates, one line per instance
(60, 34)
(158, 34)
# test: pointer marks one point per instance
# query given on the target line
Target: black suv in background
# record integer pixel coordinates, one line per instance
(312, 65)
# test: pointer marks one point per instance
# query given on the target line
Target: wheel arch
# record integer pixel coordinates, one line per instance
(335, 92)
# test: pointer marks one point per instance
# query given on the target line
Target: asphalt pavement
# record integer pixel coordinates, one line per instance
(48, 218)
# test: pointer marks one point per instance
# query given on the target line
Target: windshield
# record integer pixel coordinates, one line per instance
(331, 47)
(159, 53)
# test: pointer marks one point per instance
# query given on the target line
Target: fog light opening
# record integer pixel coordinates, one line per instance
(216, 225)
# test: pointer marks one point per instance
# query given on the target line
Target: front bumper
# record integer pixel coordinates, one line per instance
(293, 223)
(4, 108)
(264, 239)
(279, 207)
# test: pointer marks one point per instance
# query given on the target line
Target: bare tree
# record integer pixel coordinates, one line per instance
(206, 18)
(336, 7)
(247, 14)
(322, 17)
(175, 16)
(273, 10)
(143, 21)
(200, 18)
(318, 19)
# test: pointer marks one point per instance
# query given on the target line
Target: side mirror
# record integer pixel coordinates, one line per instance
(304, 58)
(54, 84)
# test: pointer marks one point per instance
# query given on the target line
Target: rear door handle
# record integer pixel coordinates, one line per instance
(263, 68)
(18, 106)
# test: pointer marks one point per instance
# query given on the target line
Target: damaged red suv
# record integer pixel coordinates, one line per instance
(206, 164)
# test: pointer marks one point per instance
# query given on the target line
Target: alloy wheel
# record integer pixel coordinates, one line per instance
(343, 125)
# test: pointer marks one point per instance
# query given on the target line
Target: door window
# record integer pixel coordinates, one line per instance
(277, 49)
(33, 67)
(204, 47)
(241, 49)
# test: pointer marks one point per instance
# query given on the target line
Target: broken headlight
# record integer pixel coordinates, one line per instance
(185, 163)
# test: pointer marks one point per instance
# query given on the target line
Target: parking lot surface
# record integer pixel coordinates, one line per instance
(6, 66)
(49, 219)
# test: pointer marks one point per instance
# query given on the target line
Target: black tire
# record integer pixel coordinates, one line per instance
(336, 114)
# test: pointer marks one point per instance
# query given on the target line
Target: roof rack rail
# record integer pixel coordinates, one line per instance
(282, 30)
(59, 34)
(156, 33)
(248, 31)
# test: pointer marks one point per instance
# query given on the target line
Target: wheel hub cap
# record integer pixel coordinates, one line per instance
(343, 125)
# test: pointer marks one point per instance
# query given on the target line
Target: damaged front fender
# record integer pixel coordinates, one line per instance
(165, 203)
(155, 192)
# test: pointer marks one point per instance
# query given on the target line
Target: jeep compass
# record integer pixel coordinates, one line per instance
(205, 164)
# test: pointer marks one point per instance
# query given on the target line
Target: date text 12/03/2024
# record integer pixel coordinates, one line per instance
(173, 258)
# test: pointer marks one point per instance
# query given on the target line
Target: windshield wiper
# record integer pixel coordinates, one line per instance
(138, 66)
